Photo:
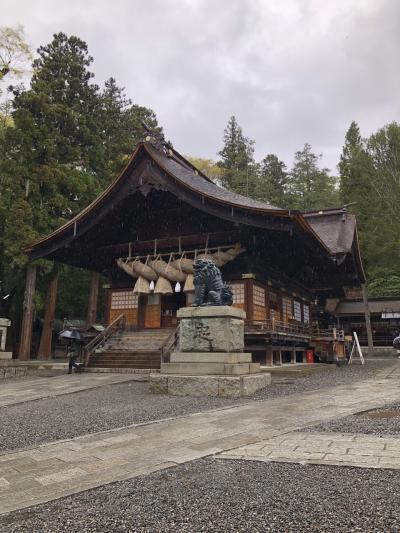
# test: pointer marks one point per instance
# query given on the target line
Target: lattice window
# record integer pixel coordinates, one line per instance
(238, 292)
(124, 300)
(297, 311)
(287, 309)
(258, 296)
(306, 313)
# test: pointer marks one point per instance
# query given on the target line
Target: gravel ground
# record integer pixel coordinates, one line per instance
(114, 406)
(211, 495)
(90, 411)
(337, 376)
(379, 422)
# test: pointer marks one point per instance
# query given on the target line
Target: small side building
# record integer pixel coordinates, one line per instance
(385, 319)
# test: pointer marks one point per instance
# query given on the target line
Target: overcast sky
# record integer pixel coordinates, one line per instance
(292, 71)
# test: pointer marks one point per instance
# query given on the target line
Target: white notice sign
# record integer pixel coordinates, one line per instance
(356, 348)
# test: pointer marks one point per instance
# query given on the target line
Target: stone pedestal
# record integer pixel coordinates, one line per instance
(210, 360)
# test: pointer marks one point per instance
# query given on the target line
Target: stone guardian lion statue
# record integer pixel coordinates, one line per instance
(209, 289)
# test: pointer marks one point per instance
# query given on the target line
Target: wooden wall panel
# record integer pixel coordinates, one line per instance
(259, 312)
(131, 315)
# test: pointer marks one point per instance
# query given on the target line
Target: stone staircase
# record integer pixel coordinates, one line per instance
(131, 349)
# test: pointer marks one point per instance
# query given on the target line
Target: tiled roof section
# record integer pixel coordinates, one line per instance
(177, 166)
(334, 228)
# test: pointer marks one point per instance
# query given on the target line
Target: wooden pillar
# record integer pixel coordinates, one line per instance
(27, 315)
(270, 357)
(367, 319)
(92, 306)
(49, 313)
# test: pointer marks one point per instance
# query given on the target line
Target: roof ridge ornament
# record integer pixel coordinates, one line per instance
(156, 139)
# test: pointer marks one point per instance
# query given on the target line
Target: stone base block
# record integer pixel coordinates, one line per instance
(211, 329)
(224, 386)
(5, 355)
(199, 369)
(210, 357)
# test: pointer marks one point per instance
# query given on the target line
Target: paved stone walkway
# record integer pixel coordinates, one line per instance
(35, 389)
(364, 451)
(50, 471)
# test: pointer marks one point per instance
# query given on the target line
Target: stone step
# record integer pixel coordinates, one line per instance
(224, 386)
(131, 348)
(210, 357)
(101, 364)
(199, 369)
(126, 360)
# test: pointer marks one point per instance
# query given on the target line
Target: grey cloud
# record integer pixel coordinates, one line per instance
(293, 71)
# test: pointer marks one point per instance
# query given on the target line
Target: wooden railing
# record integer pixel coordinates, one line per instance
(272, 326)
(276, 326)
(100, 339)
(333, 333)
(169, 344)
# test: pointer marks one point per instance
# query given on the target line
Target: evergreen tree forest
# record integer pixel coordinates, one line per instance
(61, 143)
(367, 181)
(64, 138)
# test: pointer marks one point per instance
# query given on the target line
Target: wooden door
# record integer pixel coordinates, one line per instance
(152, 314)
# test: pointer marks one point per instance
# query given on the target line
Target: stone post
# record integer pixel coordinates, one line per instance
(25, 343)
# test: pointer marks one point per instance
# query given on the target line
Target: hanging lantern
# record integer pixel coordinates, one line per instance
(151, 286)
(178, 287)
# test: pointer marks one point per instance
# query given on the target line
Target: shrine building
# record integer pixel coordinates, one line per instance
(142, 235)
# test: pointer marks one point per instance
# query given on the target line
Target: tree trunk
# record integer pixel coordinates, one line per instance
(367, 319)
(92, 306)
(27, 315)
(49, 313)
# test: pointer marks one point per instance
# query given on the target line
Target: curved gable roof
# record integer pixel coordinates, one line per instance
(338, 230)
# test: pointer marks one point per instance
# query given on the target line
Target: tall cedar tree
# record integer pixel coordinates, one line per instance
(351, 174)
(237, 160)
(377, 193)
(272, 181)
(310, 187)
(68, 141)
(120, 127)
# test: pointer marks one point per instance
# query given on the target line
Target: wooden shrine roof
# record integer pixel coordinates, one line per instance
(324, 230)
(191, 177)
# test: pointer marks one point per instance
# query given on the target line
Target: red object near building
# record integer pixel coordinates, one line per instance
(309, 356)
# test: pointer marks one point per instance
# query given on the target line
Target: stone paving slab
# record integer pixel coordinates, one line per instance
(340, 449)
(50, 471)
(36, 389)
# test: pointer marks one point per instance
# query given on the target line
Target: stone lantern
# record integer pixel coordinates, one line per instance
(4, 324)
